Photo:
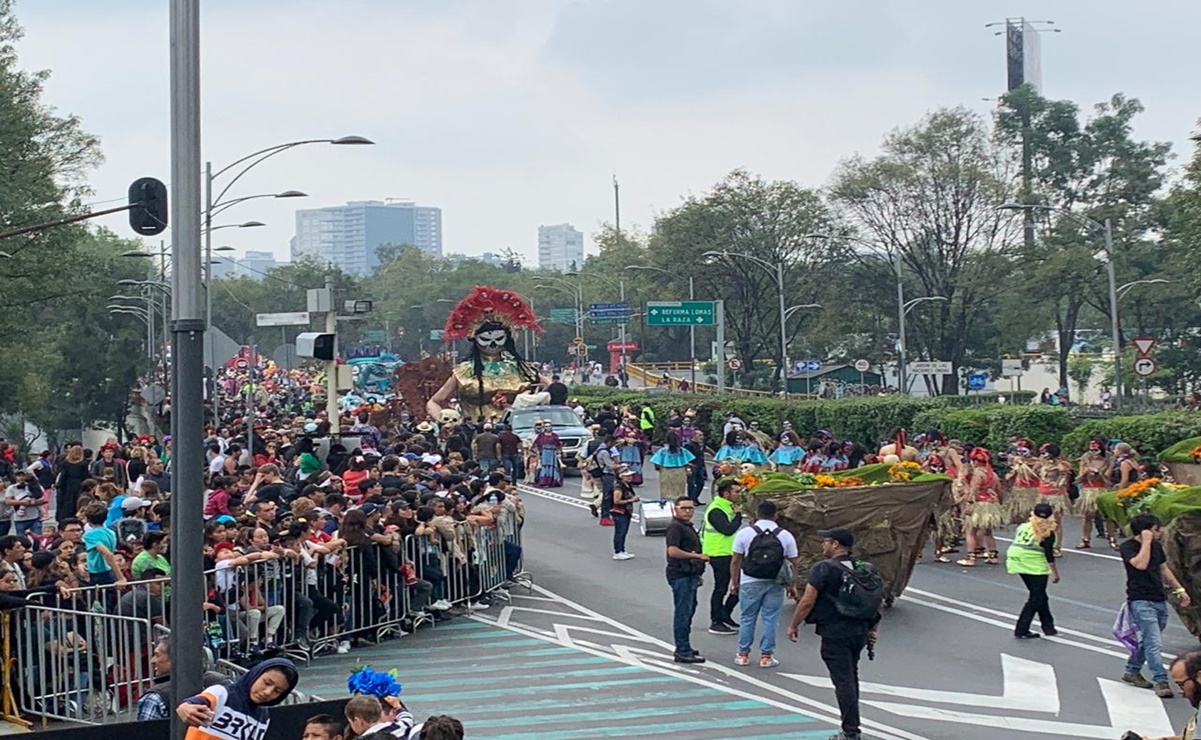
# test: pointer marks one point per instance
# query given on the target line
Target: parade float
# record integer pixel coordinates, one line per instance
(1178, 506)
(1183, 461)
(891, 508)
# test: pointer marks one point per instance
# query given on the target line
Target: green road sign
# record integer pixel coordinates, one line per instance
(608, 321)
(374, 335)
(680, 313)
(563, 315)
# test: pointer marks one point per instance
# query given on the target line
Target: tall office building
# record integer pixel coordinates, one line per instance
(348, 236)
(254, 264)
(560, 248)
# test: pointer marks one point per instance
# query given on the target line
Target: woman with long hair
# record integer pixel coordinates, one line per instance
(1023, 480)
(71, 475)
(1124, 470)
(632, 446)
(981, 507)
(789, 452)
(1032, 556)
(1054, 477)
(673, 461)
(548, 447)
(1093, 476)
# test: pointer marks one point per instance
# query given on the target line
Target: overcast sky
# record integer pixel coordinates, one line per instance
(509, 114)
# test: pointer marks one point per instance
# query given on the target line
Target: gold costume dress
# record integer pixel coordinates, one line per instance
(500, 377)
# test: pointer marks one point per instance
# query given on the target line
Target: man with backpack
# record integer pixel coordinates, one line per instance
(760, 573)
(843, 598)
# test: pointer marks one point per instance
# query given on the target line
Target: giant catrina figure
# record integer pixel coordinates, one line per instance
(494, 374)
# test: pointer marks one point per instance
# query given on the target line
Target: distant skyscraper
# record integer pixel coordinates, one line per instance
(254, 264)
(348, 236)
(560, 248)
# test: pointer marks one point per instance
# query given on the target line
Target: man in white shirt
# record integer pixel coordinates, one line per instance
(759, 576)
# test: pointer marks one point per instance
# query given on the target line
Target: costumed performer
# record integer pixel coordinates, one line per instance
(789, 452)
(548, 446)
(494, 373)
(673, 461)
(737, 449)
(981, 506)
(632, 446)
(1023, 480)
(898, 446)
(1093, 475)
(1054, 476)
(395, 718)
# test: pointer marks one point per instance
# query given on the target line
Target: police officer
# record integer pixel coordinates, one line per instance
(718, 528)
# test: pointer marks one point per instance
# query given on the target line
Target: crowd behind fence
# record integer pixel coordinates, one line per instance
(87, 658)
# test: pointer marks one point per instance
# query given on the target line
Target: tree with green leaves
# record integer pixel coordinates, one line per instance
(774, 222)
(930, 201)
(1095, 169)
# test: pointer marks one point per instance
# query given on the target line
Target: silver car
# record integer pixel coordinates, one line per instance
(572, 432)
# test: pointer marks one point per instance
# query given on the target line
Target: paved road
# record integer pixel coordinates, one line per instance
(948, 666)
(587, 654)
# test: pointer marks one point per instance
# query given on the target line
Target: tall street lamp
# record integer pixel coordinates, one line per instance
(905, 308)
(215, 204)
(1124, 289)
(778, 270)
(1106, 230)
(691, 328)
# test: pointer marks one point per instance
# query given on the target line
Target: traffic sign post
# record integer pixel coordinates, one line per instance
(734, 363)
(294, 318)
(1145, 366)
(977, 381)
(681, 313)
(932, 367)
(563, 316)
(862, 366)
(1143, 345)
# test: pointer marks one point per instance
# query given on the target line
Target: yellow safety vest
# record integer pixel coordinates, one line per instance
(1025, 556)
(714, 543)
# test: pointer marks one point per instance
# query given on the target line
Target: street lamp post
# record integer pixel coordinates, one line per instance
(778, 270)
(691, 327)
(1106, 229)
(903, 309)
(621, 289)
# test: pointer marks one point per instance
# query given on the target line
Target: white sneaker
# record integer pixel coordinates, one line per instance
(440, 605)
(480, 605)
(343, 647)
(623, 556)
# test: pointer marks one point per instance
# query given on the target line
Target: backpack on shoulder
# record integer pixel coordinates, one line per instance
(764, 555)
(861, 593)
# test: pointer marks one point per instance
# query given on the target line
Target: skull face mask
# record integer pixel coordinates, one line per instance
(491, 340)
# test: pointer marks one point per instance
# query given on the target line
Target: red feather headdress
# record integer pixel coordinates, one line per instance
(485, 305)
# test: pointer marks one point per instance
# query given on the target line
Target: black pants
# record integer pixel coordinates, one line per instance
(841, 656)
(722, 602)
(1036, 603)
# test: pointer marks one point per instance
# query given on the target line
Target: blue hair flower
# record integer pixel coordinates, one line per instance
(373, 683)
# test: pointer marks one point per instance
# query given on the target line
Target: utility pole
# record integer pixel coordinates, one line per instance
(187, 329)
(331, 366)
(616, 210)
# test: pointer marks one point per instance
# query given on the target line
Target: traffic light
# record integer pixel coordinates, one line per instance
(148, 201)
(315, 345)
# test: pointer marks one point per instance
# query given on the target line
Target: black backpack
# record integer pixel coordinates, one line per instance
(861, 592)
(765, 555)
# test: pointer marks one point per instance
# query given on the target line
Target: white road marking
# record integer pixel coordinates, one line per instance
(1135, 709)
(1028, 686)
(789, 701)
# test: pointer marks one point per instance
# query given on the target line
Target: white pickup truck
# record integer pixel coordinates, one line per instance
(572, 432)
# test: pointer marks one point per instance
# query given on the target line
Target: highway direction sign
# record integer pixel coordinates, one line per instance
(680, 313)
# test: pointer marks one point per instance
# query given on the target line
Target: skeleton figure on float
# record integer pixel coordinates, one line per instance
(492, 376)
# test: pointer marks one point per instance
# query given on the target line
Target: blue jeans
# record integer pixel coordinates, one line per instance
(487, 464)
(621, 527)
(1151, 618)
(29, 525)
(512, 465)
(759, 599)
(683, 591)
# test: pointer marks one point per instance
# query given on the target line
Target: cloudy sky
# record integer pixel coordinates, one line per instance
(513, 113)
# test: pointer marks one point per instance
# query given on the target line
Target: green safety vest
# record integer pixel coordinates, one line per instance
(714, 543)
(1025, 556)
(647, 419)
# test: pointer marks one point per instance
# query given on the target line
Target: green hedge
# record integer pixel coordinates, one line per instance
(993, 425)
(870, 420)
(1149, 434)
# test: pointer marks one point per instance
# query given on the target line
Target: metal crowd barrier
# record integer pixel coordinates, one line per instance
(78, 665)
(87, 659)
